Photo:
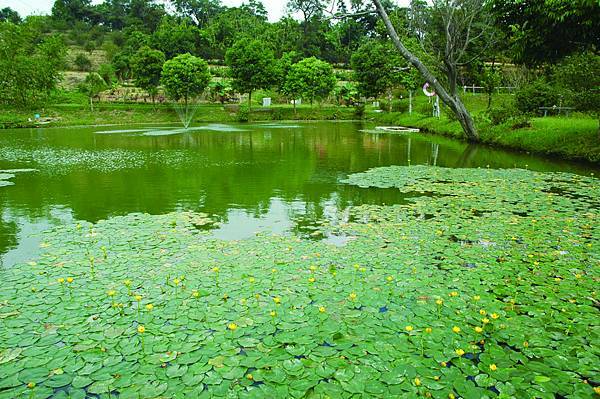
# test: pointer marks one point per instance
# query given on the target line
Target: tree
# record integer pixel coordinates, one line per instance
(174, 38)
(543, 31)
(377, 68)
(92, 87)
(185, 77)
(201, 11)
(30, 64)
(82, 62)
(311, 79)
(7, 14)
(459, 42)
(252, 66)
(146, 66)
(308, 8)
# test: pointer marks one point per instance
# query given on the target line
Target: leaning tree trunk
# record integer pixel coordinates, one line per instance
(453, 102)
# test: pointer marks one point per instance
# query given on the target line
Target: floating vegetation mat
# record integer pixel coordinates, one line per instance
(486, 286)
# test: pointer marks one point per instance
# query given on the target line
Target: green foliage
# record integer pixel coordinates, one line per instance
(82, 62)
(92, 87)
(121, 65)
(30, 63)
(252, 66)
(538, 94)
(107, 72)
(147, 66)
(185, 77)
(578, 76)
(347, 94)
(310, 79)
(174, 38)
(543, 31)
(221, 91)
(499, 115)
(376, 68)
(398, 312)
(7, 14)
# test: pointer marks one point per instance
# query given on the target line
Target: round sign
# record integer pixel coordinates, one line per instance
(427, 92)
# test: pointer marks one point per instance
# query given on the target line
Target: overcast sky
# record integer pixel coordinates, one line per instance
(276, 8)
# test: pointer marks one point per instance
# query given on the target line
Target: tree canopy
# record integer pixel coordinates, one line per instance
(185, 77)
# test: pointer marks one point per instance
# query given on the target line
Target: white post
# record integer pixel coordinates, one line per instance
(410, 102)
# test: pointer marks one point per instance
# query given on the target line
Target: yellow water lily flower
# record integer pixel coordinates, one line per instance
(277, 300)
(353, 296)
(215, 269)
(149, 307)
(478, 329)
(495, 316)
(232, 326)
(409, 328)
(127, 283)
(482, 312)
(195, 294)
(313, 268)
(251, 280)
(141, 329)
(138, 298)
(250, 377)
(456, 329)
(417, 381)
(31, 385)
(273, 313)
(311, 280)
(485, 320)
(476, 298)
(69, 280)
(454, 293)
(526, 344)
(389, 278)
(111, 292)
(439, 302)
(493, 367)
(176, 281)
(451, 396)
(322, 309)
(459, 352)
(61, 280)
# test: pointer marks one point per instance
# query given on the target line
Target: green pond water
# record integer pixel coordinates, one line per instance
(250, 177)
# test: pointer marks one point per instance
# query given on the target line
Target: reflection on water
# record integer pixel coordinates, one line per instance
(251, 177)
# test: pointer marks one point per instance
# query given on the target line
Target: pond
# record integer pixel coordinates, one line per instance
(250, 177)
(314, 260)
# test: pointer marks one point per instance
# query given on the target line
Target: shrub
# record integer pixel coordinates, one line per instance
(538, 94)
(499, 115)
(579, 77)
(243, 114)
(359, 110)
(82, 63)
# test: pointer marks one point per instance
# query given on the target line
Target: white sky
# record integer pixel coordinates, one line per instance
(276, 8)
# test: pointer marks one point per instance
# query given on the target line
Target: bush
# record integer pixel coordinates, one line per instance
(538, 94)
(243, 114)
(359, 110)
(82, 63)
(500, 115)
(397, 105)
(579, 76)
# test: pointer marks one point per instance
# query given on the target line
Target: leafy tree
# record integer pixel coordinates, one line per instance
(201, 11)
(7, 14)
(107, 72)
(92, 87)
(174, 38)
(543, 31)
(147, 66)
(311, 79)
(459, 34)
(185, 77)
(578, 76)
(71, 11)
(308, 8)
(220, 91)
(30, 63)
(376, 67)
(82, 62)
(282, 68)
(252, 66)
(121, 66)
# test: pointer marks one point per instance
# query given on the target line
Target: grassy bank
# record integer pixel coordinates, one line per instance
(104, 114)
(573, 137)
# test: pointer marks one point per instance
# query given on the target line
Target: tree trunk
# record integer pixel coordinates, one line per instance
(91, 104)
(410, 95)
(454, 103)
(250, 101)
(389, 98)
